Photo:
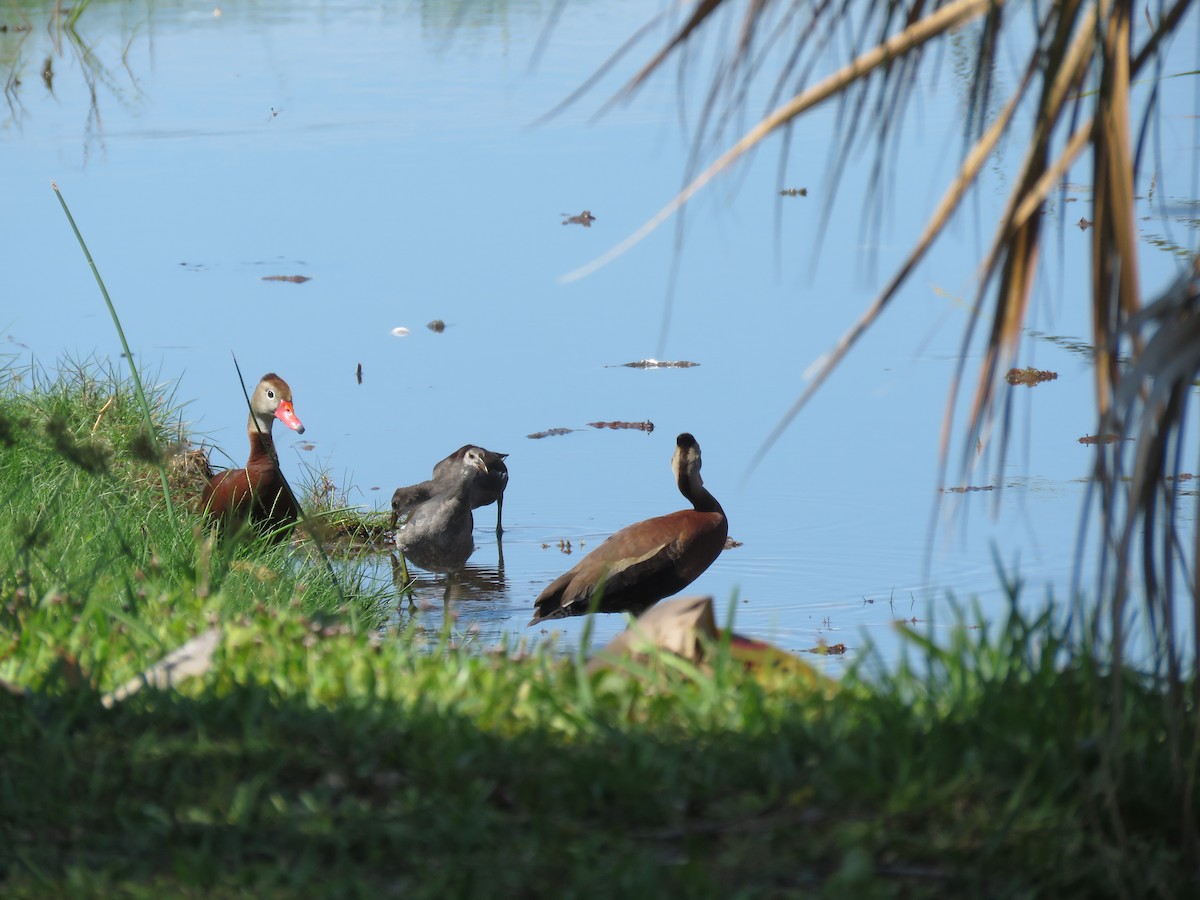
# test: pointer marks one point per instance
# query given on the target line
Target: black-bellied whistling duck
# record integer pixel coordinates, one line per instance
(486, 487)
(258, 492)
(437, 535)
(645, 562)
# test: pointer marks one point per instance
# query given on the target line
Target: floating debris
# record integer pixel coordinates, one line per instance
(794, 192)
(656, 364)
(585, 219)
(730, 543)
(437, 326)
(291, 279)
(1029, 376)
(1101, 438)
(646, 426)
(969, 488)
(549, 432)
(400, 331)
(358, 374)
(824, 649)
(307, 445)
(1083, 224)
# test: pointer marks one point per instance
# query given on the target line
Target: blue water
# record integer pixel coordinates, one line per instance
(391, 155)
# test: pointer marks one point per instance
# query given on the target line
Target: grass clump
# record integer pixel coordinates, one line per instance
(314, 758)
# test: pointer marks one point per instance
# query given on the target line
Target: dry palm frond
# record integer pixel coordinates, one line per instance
(1139, 481)
(1077, 43)
(1149, 405)
(1076, 86)
(937, 24)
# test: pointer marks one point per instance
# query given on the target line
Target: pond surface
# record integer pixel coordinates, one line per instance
(390, 156)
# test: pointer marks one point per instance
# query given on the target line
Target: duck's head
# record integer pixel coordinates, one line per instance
(273, 399)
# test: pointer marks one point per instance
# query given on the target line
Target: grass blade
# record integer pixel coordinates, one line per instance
(137, 381)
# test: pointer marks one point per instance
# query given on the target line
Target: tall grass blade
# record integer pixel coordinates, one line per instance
(137, 381)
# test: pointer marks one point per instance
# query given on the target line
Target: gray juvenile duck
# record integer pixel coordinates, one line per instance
(486, 488)
(647, 561)
(437, 535)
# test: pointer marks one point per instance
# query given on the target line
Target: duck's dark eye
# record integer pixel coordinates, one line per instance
(270, 394)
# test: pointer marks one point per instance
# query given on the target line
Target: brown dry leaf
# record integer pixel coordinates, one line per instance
(191, 660)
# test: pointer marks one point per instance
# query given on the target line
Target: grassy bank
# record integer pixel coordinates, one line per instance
(315, 759)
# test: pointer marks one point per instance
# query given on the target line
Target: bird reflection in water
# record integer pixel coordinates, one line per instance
(474, 582)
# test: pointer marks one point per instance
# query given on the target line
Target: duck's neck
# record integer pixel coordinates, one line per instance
(262, 445)
(692, 487)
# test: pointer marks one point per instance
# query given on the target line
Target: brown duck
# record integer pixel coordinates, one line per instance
(258, 493)
(645, 562)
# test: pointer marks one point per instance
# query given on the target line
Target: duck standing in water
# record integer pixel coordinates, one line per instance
(437, 535)
(258, 493)
(645, 562)
(486, 488)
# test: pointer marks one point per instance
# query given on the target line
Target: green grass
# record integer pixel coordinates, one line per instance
(316, 759)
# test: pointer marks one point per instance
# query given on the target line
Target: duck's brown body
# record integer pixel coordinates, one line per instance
(258, 493)
(645, 562)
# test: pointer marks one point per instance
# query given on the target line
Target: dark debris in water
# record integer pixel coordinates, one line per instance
(549, 432)
(291, 279)
(794, 192)
(585, 219)
(825, 649)
(1084, 224)
(646, 426)
(656, 364)
(437, 326)
(358, 374)
(968, 488)
(1029, 376)
(1101, 439)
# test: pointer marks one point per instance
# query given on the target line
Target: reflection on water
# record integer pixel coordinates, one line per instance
(472, 599)
(384, 154)
(474, 581)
